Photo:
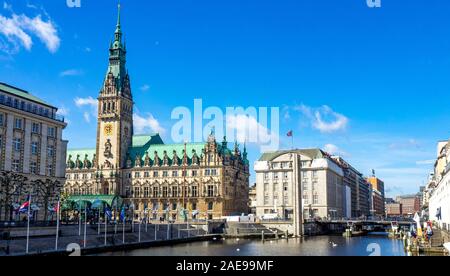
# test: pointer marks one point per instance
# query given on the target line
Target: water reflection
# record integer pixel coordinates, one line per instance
(310, 246)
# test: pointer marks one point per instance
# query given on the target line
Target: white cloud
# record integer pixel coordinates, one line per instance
(405, 145)
(146, 124)
(87, 117)
(19, 29)
(90, 103)
(14, 33)
(334, 150)
(426, 162)
(145, 88)
(249, 130)
(324, 118)
(62, 111)
(71, 72)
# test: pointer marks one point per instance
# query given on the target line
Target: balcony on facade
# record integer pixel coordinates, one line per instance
(34, 109)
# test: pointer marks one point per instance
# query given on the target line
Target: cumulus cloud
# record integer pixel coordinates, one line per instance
(19, 30)
(334, 150)
(89, 101)
(91, 104)
(324, 118)
(62, 111)
(147, 123)
(249, 130)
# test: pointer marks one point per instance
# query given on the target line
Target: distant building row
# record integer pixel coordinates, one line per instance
(404, 206)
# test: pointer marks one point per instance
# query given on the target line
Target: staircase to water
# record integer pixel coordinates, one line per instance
(236, 229)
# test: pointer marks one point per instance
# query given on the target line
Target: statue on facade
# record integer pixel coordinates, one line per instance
(108, 149)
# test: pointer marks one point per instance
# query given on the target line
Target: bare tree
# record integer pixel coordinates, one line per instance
(10, 185)
(46, 191)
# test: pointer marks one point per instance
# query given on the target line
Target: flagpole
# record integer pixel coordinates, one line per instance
(85, 224)
(106, 226)
(292, 140)
(115, 221)
(123, 228)
(57, 224)
(79, 219)
(99, 226)
(140, 231)
(28, 225)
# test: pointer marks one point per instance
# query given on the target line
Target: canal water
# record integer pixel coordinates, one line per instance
(375, 244)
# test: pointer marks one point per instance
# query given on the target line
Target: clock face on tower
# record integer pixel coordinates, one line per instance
(108, 130)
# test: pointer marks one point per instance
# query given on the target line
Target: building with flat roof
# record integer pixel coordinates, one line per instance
(31, 145)
(311, 175)
(410, 204)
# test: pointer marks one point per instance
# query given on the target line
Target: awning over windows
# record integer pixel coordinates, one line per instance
(93, 201)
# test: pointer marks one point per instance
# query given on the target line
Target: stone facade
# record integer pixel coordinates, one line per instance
(31, 142)
(319, 182)
(207, 179)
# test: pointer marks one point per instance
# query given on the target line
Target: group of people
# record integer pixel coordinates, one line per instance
(427, 234)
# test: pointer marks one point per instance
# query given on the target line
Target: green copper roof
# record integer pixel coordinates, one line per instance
(82, 154)
(143, 144)
(311, 153)
(161, 149)
(149, 139)
(22, 93)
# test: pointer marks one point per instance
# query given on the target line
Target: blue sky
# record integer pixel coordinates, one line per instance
(369, 84)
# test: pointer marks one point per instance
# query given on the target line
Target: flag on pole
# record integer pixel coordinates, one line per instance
(57, 224)
(291, 135)
(28, 207)
(23, 209)
(108, 212)
(122, 214)
(56, 208)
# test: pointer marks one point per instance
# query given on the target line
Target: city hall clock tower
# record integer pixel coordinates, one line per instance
(115, 109)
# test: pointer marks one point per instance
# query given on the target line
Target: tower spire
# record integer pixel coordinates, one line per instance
(118, 15)
(118, 33)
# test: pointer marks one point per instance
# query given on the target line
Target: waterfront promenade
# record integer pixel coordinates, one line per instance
(71, 237)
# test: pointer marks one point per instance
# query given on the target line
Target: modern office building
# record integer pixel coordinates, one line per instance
(410, 204)
(359, 189)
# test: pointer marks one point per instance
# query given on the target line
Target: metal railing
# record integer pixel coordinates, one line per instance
(55, 117)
